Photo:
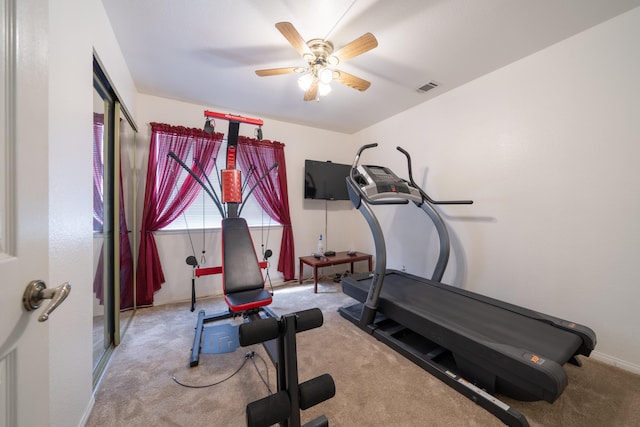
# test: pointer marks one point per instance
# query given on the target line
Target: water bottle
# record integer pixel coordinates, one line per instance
(320, 245)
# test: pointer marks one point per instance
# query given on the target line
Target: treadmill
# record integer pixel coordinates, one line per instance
(478, 345)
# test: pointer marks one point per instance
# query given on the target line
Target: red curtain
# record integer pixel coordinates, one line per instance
(271, 193)
(161, 207)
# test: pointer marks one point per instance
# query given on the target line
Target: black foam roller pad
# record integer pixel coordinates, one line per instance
(269, 410)
(258, 331)
(308, 319)
(316, 390)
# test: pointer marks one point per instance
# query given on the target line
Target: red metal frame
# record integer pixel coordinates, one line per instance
(233, 118)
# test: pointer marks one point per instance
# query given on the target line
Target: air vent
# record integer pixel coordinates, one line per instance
(427, 87)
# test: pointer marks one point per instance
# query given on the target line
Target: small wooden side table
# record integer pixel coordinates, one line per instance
(325, 261)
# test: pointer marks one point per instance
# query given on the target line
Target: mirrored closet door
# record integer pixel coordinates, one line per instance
(114, 216)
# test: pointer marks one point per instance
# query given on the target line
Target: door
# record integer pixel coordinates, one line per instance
(114, 252)
(24, 222)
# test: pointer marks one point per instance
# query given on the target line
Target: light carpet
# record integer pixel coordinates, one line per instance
(375, 386)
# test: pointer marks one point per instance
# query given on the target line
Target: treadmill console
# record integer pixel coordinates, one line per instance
(378, 183)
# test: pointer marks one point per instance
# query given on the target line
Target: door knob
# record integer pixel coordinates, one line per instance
(37, 291)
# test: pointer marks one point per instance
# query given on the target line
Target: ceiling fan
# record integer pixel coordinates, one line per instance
(321, 62)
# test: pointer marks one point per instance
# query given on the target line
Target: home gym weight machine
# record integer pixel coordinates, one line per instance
(477, 345)
(245, 296)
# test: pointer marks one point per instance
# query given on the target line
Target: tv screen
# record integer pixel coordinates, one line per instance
(325, 180)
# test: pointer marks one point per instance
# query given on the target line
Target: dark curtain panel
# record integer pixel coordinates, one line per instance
(164, 198)
(271, 193)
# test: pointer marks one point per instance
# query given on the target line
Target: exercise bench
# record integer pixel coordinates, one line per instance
(242, 282)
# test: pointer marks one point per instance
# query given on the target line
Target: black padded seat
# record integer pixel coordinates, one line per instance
(247, 300)
(242, 280)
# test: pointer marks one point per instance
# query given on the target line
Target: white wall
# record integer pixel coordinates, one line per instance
(308, 216)
(76, 27)
(548, 149)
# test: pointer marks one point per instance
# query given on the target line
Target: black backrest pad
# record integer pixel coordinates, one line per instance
(241, 271)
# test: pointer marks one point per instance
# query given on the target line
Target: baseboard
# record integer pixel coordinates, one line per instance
(614, 361)
(87, 412)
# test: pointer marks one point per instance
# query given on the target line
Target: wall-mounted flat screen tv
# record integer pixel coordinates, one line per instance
(325, 180)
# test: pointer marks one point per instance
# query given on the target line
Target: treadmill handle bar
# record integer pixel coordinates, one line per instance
(370, 306)
(356, 159)
(424, 195)
(355, 195)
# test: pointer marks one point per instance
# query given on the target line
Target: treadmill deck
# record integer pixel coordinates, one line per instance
(498, 345)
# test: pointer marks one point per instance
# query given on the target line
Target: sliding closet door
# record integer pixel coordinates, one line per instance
(103, 244)
(127, 242)
(114, 184)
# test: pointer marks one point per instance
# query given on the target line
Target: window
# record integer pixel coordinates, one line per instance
(203, 213)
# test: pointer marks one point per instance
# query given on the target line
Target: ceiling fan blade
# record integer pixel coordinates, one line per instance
(293, 36)
(362, 44)
(276, 71)
(312, 93)
(352, 81)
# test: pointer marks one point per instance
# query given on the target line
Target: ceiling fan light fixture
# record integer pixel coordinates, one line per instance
(323, 89)
(305, 81)
(325, 75)
(321, 62)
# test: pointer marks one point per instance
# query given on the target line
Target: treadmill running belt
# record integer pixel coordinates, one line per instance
(490, 322)
(472, 328)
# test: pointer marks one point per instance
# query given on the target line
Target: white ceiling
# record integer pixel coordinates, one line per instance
(206, 51)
